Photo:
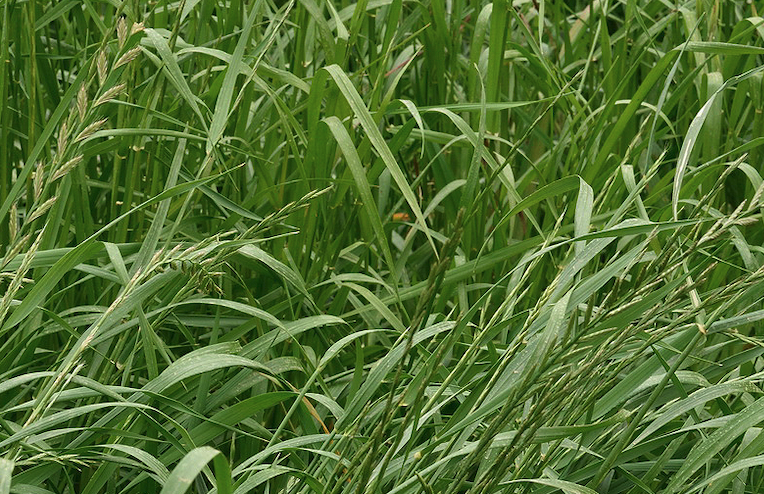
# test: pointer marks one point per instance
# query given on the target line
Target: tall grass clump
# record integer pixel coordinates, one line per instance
(383, 247)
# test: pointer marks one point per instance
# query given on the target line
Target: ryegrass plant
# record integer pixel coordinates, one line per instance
(381, 247)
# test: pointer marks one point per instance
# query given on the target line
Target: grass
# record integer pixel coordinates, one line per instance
(381, 247)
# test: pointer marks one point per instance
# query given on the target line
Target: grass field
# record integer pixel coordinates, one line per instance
(384, 247)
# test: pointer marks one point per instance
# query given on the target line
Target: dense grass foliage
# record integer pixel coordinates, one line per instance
(384, 247)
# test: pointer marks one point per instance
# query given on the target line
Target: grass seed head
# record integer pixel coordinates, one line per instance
(39, 172)
(42, 209)
(16, 247)
(66, 168)
(63, 140)
(102, 66)
(756, 199)
(128, 57)
(121, 32)
(13, 224)
(82, 102)
(90, 130)
(110, 94)
(136, 28)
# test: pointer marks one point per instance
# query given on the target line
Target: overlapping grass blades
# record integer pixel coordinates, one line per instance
(381, 247)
